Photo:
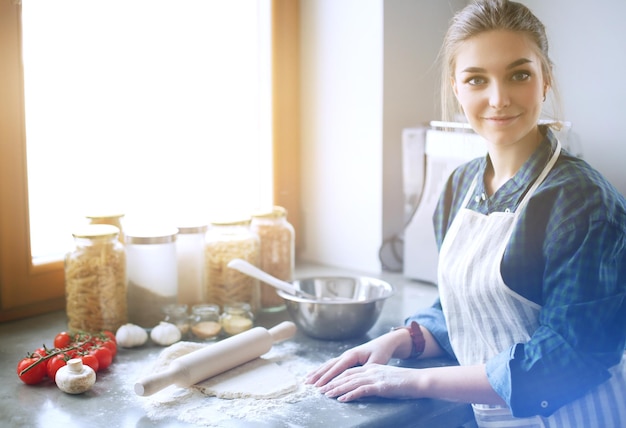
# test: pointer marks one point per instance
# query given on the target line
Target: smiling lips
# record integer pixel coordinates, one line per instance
(500, 120)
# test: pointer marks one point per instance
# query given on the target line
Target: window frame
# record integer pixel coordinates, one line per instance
(28, 289)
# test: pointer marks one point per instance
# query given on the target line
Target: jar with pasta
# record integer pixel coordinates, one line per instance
(224, 242)
(277, 238)
(95, 280)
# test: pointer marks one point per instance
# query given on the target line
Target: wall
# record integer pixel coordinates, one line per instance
(341, 128)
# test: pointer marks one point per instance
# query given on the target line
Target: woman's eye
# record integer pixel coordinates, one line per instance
(476, 80)
(520, 76)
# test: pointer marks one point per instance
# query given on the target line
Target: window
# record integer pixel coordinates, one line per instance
(28, 288)
(157, 109)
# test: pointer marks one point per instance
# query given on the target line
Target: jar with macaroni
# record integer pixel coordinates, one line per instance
(225, 241)
(277, 239)
(95, 280)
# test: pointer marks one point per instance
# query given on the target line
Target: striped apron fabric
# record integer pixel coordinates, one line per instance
(485, 317)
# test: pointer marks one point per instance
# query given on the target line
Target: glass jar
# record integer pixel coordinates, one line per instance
(114, 219)
(205, 321)
(176, 313)
(224, 242)
(277, 240)
(95, 280)
(237, 318)
(152, 275)
(190, 253)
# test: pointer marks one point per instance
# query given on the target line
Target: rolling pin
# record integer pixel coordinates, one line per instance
(214, 359)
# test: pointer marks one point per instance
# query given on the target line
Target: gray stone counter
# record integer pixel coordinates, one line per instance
(112, 403)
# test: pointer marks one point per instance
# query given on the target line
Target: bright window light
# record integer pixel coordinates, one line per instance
(158, 109)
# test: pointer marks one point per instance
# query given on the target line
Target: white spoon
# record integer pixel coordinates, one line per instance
(253, 271)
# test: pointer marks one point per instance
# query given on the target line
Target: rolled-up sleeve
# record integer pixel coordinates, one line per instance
(433, 320)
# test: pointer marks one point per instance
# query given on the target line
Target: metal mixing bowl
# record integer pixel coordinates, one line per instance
(345, 308)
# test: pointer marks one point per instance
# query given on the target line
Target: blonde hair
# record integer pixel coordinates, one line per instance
(487, 15)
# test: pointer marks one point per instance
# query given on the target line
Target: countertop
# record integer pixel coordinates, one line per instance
(112, 402)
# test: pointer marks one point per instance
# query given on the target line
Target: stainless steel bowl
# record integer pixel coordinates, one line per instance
(345, 308)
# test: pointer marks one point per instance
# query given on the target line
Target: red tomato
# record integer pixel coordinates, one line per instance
(54, 364)
(33, 376)
(62, 340)
(42, 352)
(104, 356)
(110, 335)
(91, 361)
(111, 346)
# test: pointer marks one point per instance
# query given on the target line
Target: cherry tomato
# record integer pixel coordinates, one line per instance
(42, 352)
(33, 376)
(111, 346)
(110, 335)
(104, 356)
(54, 364)
(91, 361)
(62, 340)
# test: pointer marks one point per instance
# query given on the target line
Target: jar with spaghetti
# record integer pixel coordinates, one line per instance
(114, 219)
(224, 242)
(152, 274)
(237, 318)
(277, 239)
(95, 280)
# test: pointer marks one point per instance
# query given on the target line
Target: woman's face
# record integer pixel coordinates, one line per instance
(499, 83)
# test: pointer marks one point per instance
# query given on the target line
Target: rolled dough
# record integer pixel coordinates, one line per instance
(259, 378)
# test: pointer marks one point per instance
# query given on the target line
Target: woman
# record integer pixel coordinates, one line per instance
(532, 271)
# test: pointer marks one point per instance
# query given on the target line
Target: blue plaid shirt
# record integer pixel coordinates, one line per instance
(567, 254)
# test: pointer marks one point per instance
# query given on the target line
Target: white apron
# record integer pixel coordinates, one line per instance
(485, 317)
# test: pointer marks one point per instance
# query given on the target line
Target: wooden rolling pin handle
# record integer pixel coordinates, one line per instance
(283, 331)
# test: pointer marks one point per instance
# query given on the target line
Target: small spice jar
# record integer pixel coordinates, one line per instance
(176, 313)
(205, 321)
(95, 280)
(224, 242)
(190, 253)
(277, 240)
(237, 318)
(152, 274)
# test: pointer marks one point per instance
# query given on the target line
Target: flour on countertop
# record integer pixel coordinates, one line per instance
(192, 406)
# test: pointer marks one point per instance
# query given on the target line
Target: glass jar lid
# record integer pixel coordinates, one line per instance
(276, 212)
(96, 231)
(152, 236)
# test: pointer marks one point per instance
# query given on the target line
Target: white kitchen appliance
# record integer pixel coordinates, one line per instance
(430, 154)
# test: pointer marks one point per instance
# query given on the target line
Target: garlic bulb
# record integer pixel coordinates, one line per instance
(75, 378)
(130, 336)
(165, 334)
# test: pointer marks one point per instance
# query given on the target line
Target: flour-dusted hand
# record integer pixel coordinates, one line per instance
(377, 351)
(374, 380)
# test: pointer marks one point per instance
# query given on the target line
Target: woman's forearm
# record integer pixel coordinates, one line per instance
(467, 384)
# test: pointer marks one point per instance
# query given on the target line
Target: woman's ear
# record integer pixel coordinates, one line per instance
(454, 87)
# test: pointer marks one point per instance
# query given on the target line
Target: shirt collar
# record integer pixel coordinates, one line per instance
(505, 197)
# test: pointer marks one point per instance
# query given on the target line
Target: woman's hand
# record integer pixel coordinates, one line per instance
(377, 351)
(373, 380)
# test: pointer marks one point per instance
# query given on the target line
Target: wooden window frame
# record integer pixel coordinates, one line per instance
(28, 289)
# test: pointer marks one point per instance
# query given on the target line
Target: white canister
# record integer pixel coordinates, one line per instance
(152, 275)
(190, 252)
